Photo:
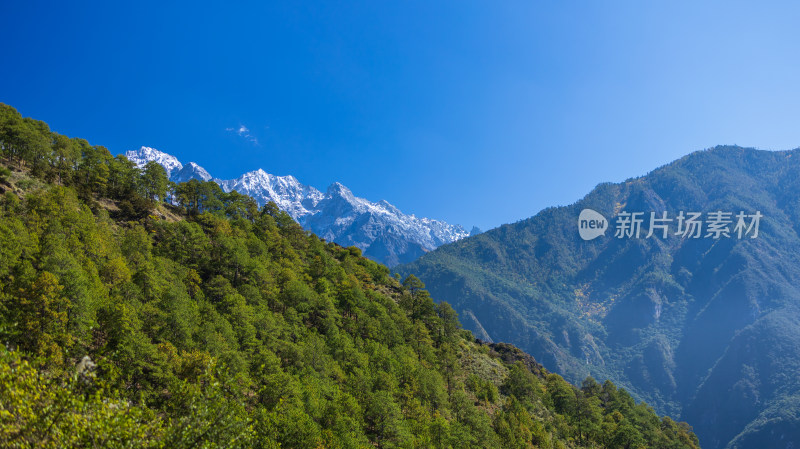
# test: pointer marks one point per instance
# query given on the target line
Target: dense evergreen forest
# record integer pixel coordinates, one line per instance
(703, 329)
(137, 313)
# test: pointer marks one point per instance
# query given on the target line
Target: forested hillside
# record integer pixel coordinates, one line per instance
(128, 322)
(701, 328)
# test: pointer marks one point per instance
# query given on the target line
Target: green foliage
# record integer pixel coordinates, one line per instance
(702, 328)
(233, 327)
(154, 182)
(39, 410)
(4, 174)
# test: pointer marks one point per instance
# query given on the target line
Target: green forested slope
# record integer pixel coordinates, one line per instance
(126, 322)
(705, 329)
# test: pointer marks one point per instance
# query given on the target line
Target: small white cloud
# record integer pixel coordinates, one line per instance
(244, 132)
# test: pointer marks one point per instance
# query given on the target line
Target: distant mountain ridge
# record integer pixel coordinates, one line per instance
(380, 230)
(705, 329)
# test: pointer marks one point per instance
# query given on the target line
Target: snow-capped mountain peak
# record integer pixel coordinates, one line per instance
(144, 155)
(176, 171)
(380, 230)
(191, 171)
(286, 191)
(338, 189)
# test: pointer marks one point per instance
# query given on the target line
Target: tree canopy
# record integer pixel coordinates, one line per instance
(126, 322)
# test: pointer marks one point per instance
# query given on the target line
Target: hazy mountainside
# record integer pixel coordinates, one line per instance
(126, 322)
(379, 229)
(705, 328)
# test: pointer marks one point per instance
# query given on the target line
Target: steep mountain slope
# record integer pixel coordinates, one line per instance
(229, 326)
(382, 231)
(705, 328)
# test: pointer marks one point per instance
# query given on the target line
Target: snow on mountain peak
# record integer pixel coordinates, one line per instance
(291, 196)
(338, 189)
(380, 230)
(176, 171)
(191, 171)
(144, 155)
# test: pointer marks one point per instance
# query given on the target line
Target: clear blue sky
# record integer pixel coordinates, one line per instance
(475, 112)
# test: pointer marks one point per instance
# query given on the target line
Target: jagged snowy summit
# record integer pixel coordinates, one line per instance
(380, 230)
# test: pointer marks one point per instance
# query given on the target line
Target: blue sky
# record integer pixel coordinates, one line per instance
(475, 112)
